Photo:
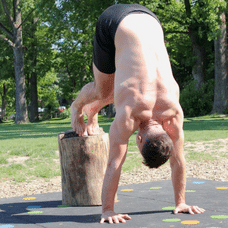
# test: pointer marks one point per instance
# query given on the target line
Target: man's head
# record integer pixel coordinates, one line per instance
(155, 145)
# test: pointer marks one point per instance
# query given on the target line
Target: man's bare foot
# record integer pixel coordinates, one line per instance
(92, 125)
(77, 122)
(92, 122)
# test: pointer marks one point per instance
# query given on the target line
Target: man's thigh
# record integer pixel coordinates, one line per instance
(104, 83)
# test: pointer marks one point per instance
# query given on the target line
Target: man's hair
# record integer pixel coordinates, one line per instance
(157, 150)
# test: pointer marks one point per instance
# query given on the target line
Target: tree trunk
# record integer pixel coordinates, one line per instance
(21, 105)
(5, 90)
(199, 51)
(34, 98)
(198, 70)
(33, 79)
(221, 93)
(111, 111)
(83, 165)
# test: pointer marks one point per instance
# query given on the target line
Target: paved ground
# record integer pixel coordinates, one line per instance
(149, 205)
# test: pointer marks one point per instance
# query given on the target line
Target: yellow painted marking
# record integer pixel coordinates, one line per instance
(223, 188)
(190, 222)
(29, 198)
(117, 201)
(126, 190)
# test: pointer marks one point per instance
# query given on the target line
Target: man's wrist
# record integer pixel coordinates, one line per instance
(107, 209)
(178, 204)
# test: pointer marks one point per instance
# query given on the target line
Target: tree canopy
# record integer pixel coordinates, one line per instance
(52, 42)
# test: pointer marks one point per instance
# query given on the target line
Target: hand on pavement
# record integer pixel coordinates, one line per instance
(111, 217)
(184, 208)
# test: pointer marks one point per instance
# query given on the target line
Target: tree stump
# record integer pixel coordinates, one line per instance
(83, 165)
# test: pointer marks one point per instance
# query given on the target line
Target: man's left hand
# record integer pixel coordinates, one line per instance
(184, 208)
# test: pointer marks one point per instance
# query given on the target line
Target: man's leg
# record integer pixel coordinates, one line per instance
(92, 109)
(99, 93)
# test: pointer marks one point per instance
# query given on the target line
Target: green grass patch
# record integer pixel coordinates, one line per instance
(38, 142)
(133, 160)
(3, 158)
(13, 172)
(206, 128)
(200, 156)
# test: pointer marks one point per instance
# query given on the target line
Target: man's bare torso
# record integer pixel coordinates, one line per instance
(144, 84)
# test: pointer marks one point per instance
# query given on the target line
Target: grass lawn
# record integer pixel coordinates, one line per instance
(29, 151)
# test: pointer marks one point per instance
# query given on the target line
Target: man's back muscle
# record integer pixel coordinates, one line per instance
(143, 79)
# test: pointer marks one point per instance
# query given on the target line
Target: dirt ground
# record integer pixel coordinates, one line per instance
(210, 162)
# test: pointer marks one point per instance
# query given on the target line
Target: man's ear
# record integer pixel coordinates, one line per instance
(139, 138)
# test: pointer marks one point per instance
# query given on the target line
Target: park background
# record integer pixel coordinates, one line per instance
(46, 53)
(45, 59)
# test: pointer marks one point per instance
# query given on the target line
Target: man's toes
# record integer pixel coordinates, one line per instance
(82, 131)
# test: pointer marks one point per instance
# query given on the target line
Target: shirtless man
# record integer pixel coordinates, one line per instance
(132, 68)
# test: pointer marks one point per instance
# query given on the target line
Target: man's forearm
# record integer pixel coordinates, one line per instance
(110, 186)
(179, 181)
(117, 155)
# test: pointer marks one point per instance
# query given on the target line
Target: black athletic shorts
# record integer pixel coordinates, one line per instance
(107, 23)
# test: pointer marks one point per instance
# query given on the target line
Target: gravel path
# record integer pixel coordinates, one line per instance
(216, 169)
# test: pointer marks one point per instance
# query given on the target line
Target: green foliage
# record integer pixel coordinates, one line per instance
(205, 17)
(51, 110)
(197, 103)
(62, 39)
(72, 28)
(47, 89)
(65, 114)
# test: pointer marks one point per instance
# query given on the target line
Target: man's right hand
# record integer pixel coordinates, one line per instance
(111, 217)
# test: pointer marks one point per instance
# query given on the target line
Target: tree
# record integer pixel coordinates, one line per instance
(13, 37)
(198, 47)
(221, 92)
(6, 77)
(33, 73)
(73, 27)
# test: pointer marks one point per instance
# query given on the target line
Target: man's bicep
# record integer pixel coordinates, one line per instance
(123, 126)
(174, 127)
(118, 137)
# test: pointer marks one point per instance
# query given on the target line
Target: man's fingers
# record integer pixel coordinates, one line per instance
(102, 220)
(202, 210)
(110, 220)
(126, 216)
(190, 211)
(116, 219)
(198, 210)
(122, 220)
(176, 211)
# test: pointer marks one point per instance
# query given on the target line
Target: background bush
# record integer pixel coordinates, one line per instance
(197, 103)
(65, 114)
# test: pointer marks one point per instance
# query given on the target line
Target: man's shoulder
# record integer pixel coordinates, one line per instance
(125, 122)
(174, 124)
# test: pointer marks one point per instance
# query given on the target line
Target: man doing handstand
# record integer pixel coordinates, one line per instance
(132, 68)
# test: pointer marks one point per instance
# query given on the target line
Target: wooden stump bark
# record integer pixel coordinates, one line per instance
(83, 165)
